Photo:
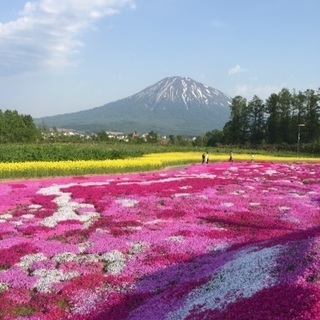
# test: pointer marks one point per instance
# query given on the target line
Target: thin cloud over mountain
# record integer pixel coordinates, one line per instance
(260, 91)
(235, 70)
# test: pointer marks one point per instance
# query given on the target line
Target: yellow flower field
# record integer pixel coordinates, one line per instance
(147, 162)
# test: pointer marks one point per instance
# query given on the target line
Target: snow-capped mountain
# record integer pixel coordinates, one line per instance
(174, 105)
(181, 90)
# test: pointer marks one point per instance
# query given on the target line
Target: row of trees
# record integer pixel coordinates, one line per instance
(278, 120)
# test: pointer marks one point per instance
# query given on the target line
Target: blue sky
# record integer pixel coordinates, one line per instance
(61, 56)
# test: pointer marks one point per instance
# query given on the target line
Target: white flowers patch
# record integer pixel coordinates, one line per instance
(227, 204)
(34, 207)
(138, 247)
(84, 246)
(220, 246)
(205, 175)
(132, 228)
(254, 204)
(237, 192)
(284, 208)
(156, 221)
(176, 238)
(64, 257)
(27, 216)
(177, 195)
(47, 278)
(5, 217)
(216, 227)
(85, 302)
(67, 209)
(271, 172)
(115, 260)
(28, 260)
(3, 287)
(185, 187)
(72, 257)
(249, 272)
(297, 195)
(148, 182)
(128, 203)
(202, 197)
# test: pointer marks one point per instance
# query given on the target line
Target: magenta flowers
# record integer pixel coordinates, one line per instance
(218, 241)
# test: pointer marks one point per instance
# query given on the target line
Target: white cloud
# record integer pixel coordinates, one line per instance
(235, 70)
(242, 90)
(47, 33)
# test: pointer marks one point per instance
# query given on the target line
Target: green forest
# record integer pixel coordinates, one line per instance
(283, 121)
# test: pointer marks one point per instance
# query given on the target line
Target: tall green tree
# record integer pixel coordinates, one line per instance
(257, 120)
(213, 138)
(236, 130)
(299, 108)
(273, 120)
(29, 131)
(102, 136)
(152, 137)
(312, 116)
(285, 110)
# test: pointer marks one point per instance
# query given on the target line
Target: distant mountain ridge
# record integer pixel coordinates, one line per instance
(174, 105)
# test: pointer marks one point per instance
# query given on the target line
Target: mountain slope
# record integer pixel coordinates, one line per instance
(174, 105)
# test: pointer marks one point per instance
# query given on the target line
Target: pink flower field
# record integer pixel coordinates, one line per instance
(219, 241)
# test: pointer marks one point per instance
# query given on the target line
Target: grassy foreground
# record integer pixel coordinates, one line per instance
(153, 161)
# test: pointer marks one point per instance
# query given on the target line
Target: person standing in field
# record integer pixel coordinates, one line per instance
(231, 156)
(203, 158)
(207, 158)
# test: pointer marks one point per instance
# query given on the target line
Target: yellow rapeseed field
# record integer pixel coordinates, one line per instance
(144, 163)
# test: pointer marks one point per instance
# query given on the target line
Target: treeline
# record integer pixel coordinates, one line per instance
(15, 127)
(283, 120)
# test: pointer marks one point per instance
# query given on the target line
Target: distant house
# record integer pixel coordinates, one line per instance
(133, 135)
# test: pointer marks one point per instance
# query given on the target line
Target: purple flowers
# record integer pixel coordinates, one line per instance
(222, 241)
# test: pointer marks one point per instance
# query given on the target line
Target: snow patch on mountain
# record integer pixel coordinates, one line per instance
(184, 90)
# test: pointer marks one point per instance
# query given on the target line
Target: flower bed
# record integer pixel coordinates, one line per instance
(217, 241)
